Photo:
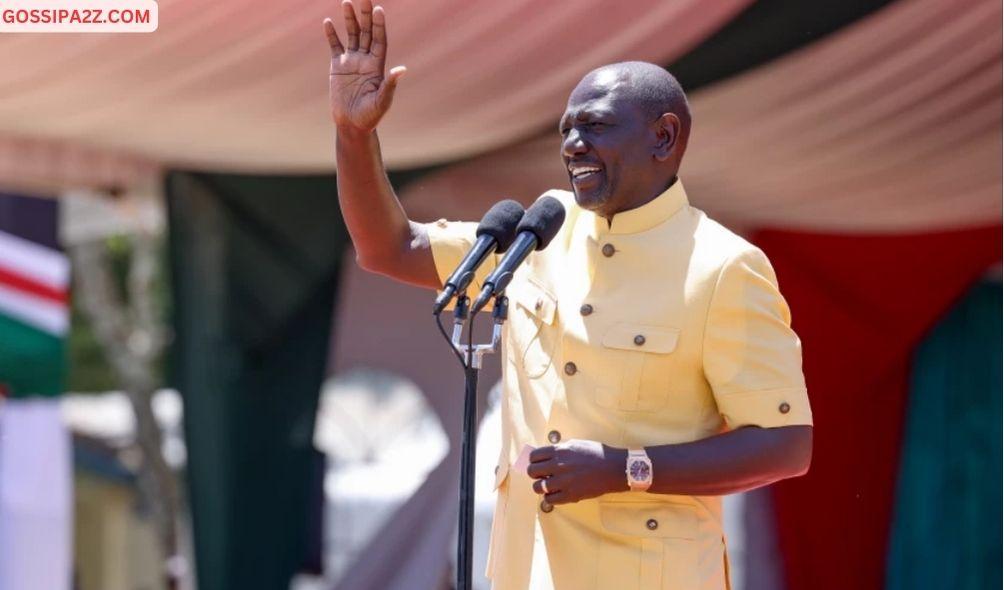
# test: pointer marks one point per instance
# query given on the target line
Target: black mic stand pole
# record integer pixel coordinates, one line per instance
(473, 355)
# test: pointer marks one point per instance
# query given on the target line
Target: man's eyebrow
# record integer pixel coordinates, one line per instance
(581, 114)
(593, 112)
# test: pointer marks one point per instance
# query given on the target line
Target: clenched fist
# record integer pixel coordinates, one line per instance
(577, 470)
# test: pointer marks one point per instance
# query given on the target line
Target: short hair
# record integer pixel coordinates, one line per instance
(655, 90)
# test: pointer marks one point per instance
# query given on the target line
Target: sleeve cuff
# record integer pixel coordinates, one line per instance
(766, 408)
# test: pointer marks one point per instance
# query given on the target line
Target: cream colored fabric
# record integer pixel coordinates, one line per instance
(688, 336)
(242, 84)
(891, 124)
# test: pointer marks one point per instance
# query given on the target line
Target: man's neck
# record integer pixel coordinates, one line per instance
(651, 197)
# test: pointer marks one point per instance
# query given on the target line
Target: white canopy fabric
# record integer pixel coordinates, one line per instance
(242, 85)
(890, 125)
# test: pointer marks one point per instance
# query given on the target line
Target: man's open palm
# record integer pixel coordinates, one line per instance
(359, 91)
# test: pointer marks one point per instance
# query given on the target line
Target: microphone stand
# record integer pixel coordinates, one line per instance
(473, 355)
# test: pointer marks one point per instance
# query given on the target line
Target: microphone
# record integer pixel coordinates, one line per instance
(535, 231)
(495, 234)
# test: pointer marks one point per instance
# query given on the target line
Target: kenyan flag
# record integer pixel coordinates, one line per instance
(34, 278)
(35, 455)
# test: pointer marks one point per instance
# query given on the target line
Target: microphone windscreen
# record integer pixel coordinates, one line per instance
(500, 223)
(544, 219)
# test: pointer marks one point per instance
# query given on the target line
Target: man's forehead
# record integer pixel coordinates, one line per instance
(604, 89)
(596, 86)
(597, 106)
(608, 101)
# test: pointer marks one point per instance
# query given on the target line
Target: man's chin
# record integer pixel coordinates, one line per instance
(590, 199)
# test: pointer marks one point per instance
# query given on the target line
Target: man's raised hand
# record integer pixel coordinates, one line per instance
(360, 92)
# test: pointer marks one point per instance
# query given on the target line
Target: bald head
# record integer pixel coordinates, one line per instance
(651, 87)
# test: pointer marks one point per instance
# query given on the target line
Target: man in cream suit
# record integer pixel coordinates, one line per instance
(648, 359)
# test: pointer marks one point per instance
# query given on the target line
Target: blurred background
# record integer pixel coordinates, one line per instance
(200, 388)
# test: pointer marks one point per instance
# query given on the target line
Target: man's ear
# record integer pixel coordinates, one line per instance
(667, 134)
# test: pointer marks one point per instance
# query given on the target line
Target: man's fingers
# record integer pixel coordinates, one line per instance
(333, 41)
(540, 469)
(558, 498)
(396, 72)
(365, 24)
(545, 453)
(379, 45)
(554, 483)
(386, 93)
(351, 24)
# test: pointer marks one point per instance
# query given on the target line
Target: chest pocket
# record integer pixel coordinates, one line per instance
(532, 331)
(639, 358)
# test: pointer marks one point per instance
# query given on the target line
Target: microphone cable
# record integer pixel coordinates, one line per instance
(449, 341)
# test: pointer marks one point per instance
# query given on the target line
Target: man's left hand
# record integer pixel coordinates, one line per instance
(577, 470)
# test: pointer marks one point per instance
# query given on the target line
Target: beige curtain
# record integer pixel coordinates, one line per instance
(890, 125)
(242, 85)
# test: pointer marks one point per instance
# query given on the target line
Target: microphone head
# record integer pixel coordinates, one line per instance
(500, 223)
(544, 219)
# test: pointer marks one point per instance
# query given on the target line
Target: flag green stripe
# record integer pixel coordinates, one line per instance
(32, 362)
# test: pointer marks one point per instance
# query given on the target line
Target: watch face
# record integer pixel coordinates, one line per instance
(640, 471)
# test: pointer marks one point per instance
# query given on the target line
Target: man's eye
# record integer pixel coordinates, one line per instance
(597, 125)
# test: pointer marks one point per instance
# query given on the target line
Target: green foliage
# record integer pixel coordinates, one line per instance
(89, 368)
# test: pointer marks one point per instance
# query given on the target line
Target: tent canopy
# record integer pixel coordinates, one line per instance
(890, 124)
(242, 86)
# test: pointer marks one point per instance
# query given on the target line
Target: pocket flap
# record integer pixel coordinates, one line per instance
(641, 338)
(650, 519)
(534, 299)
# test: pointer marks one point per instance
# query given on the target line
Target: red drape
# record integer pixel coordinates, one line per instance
(860, 305)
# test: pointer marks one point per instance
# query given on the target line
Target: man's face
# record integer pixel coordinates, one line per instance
(606, 145)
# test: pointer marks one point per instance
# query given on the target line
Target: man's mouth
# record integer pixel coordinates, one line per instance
(583, 173)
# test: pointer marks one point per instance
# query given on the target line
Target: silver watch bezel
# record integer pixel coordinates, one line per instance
(642, 457)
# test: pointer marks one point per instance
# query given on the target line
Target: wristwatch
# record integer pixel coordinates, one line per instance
(639, 470)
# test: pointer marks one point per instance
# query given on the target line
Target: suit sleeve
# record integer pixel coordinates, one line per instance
(752, 357)
(450, 241)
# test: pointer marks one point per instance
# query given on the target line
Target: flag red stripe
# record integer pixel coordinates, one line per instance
(22, 283)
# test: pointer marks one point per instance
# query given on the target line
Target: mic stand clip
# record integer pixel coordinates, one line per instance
(474, 355)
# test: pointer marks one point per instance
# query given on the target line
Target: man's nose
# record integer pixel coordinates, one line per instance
(573, 145)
